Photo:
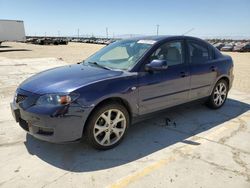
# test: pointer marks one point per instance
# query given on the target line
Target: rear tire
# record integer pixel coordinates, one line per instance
(219, 95)
(107, 126)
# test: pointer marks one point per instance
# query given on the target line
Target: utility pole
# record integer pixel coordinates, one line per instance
(78, 33)
(157, 29)
(107, 33)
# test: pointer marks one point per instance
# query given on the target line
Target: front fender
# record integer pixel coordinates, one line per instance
(124, 88)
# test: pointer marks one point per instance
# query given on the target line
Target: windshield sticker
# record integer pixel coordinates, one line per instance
(146, 41)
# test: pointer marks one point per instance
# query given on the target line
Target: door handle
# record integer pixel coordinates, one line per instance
(213, 68)
(183, 74)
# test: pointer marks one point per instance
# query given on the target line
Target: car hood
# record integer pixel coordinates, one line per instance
(66, 79)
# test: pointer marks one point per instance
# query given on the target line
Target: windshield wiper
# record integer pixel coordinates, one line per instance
(98, 65)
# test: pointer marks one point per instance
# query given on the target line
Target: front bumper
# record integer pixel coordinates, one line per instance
(66, 128)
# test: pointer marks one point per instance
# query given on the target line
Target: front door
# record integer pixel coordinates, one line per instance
(159, 90)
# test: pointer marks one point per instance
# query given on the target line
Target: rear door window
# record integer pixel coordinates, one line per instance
(198, 52)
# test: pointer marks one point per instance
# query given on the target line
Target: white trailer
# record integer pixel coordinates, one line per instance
(12, 30)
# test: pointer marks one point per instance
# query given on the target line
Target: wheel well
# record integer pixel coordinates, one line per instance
(111, 100)
(116, 100)
(226, 79)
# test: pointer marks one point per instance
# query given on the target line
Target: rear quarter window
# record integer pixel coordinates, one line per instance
(217, 53)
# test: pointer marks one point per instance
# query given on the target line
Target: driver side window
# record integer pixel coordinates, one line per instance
(171, 52)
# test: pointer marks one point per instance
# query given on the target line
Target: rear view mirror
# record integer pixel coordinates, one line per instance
(156, 65)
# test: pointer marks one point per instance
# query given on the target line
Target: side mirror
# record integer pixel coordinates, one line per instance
(156, 65)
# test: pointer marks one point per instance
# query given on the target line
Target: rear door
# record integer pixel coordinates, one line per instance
(203, 69)
(159, 90)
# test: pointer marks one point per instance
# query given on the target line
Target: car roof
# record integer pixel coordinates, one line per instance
(164, 37)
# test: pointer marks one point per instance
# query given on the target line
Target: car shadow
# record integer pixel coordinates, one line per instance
(14, 50)
(143, 138)
(1, 46)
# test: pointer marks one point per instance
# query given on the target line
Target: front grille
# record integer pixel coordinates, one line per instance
(25, 99)
(20, 98)
(45, 131)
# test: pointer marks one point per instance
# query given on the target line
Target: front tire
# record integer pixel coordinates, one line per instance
(107, 126)
(219, 95)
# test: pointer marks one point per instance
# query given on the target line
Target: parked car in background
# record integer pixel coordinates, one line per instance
(60, 41)
(31, 40)
(227, 48)
(56, 41)
(76, 40)
(238, 43)
(218, 45)
(107, 42)
(47, 41)
(126, 80)
(242, 48)
(44, 41)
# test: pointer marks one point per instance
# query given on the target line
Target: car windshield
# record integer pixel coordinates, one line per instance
(121, 55)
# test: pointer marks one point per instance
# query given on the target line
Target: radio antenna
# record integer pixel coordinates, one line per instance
(188, 31)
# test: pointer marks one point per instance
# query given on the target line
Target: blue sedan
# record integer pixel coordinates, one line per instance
(101, 97)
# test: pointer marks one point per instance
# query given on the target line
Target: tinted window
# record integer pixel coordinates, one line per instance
(198, 53)
(122, 54)
(171, 52)
(115, 54)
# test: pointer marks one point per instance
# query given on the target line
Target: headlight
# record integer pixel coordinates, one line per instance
(56, 99)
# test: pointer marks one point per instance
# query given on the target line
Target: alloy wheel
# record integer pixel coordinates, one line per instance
(220, 94)
(109, 127)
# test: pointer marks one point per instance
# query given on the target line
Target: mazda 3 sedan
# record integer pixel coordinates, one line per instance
(101, 97)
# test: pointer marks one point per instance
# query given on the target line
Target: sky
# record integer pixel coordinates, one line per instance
(205, 18)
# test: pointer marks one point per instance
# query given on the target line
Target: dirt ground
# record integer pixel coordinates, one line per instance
(71, 53)
(204, 148)
(241, 71)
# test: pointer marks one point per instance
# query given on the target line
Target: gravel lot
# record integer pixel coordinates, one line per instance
(206, 148)
(71, 53)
